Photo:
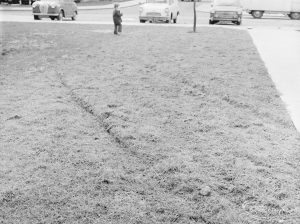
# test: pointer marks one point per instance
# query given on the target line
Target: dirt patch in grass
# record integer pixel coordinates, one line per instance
(158, 125)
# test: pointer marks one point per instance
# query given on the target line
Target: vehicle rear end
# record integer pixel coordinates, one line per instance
(155, 11)
(226, 10)
(42, 9)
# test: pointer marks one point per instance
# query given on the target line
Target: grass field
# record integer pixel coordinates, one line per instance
(158, 125)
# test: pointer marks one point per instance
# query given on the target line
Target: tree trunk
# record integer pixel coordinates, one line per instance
(195, 16)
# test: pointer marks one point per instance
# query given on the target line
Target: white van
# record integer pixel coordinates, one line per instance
(257, 8)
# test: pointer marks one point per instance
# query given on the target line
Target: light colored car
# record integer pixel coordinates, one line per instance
(159, 11)
(54, 9)
(226, 10)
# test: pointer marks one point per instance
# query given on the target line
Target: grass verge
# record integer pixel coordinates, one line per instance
(158, 125)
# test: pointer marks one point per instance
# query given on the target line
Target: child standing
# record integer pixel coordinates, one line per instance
(117, 19)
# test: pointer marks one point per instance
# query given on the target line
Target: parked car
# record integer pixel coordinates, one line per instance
(54, 9)
(159, 10)
(226, 10)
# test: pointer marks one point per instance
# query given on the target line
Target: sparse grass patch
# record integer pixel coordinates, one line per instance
(142, 128)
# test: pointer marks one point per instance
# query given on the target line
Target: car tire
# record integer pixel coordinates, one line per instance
(211, 22)
(52, 17)
(75, 15)
(142, 21)
(36, 17)
(257, 14)
(238, 22)
(60, 16)
(295, 15)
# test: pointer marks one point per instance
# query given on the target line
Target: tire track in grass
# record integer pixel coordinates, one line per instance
(123, 144)
(157, 189)
(88, 108)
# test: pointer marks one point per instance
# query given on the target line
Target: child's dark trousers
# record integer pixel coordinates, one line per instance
(118, 28)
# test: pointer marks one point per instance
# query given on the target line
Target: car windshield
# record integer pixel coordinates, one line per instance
(157, 1)
(227, 2)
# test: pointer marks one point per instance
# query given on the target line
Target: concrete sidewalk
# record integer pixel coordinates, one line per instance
(100, 7)
(280, 50)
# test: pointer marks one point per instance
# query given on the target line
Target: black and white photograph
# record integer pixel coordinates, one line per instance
(150, 112)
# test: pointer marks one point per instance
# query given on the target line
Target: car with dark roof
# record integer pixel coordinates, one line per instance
(54, 9)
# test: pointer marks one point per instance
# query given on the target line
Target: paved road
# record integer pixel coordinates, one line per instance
(280, 50)
(131, 17)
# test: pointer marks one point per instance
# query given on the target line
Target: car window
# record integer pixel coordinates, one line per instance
(157, 1)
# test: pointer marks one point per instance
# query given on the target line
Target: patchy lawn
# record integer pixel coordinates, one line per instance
(158, 125)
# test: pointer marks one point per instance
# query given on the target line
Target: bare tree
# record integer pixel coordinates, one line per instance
(195, 16)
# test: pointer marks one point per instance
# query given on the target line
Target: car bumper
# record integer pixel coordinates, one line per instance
(214, 17)
(154, 18)
(45, 15)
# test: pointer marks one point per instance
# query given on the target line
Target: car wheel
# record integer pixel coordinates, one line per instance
(295, 15)
(60, 16)
(167, 21)
(238, 22)
(175, 20)
(52, 17)
(211, 22)
(142, 21)
(74, 17)
(257, 14)
(36, 17)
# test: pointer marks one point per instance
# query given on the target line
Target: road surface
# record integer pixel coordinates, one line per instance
(131, 17)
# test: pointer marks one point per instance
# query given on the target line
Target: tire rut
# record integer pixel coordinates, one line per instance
(101, 119)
